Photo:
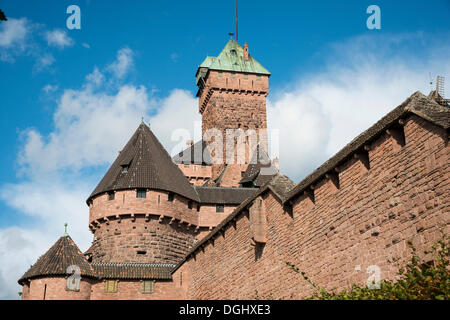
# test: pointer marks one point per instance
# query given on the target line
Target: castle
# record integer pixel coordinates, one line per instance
(195, 227)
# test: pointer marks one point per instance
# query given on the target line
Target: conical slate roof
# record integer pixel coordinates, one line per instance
(148, 165)
(57, 259)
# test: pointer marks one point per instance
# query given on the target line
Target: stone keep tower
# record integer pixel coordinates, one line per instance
(144, 208)
(232, 91)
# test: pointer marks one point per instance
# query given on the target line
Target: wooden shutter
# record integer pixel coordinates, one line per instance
(148, 286)
(111, 286)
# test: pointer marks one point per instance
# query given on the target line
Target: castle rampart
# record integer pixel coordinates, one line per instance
(333, 227)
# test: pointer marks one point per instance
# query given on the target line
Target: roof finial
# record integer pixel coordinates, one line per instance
(142, 120)
(65, 230)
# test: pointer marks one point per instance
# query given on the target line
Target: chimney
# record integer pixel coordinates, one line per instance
(246, 56)
(189, 143)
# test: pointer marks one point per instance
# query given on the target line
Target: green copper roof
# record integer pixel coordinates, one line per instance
(232, 59)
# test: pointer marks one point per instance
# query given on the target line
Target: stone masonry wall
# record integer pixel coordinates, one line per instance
(155, 203)
(367, 221)
(197, 174)
(164, 230)
(132, 290)
(232, 100)
(141, 240)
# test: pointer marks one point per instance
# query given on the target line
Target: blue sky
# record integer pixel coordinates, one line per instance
(71, 98)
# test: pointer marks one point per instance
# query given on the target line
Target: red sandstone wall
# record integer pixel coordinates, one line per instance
(230, 101)
(132, 290)
(367, 221)
(208, 217)
(127, 224)
(120, 241)
(196, 173)
(155, 203)
(233, 82)
(55, 289)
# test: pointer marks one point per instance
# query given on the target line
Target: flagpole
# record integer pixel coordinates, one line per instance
(236, 20)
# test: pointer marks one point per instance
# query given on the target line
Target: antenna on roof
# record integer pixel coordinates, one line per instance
(440, 80)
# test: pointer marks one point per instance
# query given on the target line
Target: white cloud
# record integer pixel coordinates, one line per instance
(49, 88)
(86, 45)
(179, 111)
(18, 38)
(14, 32)
(13, 37)
(44, 61)
(30, 244)
(322, 112)
(58, 38)
(123, 64)
(95, 77)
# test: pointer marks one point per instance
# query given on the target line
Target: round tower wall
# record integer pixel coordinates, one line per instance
(54, 288)
(155, 203)
(142, 239)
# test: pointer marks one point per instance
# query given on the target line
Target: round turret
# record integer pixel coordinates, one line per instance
(62, 273)
(144, 209)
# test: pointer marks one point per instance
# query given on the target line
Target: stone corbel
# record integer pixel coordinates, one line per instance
(309, 192)
(364, 158)
(334, 178)
(397, 134)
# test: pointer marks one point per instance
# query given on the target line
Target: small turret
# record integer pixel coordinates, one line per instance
(61, 273)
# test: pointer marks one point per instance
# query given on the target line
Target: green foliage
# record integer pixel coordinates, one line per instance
(418, 280)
